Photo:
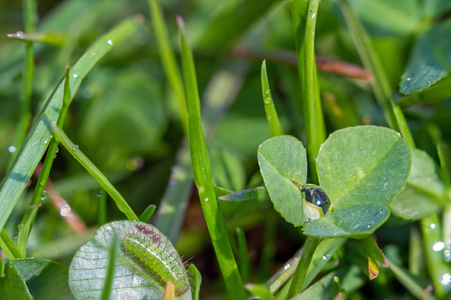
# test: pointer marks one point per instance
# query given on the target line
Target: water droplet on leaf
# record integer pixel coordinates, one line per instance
(75, 148)
(110, 42)
(316, 195)
(12, 149)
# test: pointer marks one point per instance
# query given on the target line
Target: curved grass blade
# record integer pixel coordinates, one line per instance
(96, 173)
(108, 283)
(271, 113)
(381, 87)
(37, 139)
(28, 219)
(203, 177)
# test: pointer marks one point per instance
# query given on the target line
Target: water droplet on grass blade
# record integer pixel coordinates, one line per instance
(75, 148)
(439, 246)
(110, 42)
(12, 149)
(326, 256)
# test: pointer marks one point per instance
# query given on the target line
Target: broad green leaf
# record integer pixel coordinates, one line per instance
(43, 279)
(13, 286)
(412, 204)
(132, 279)
(423, 176)
(39, 136)
(419, 198)
(356, 222)
(430, 60)
(282, 160)
(363, 165)
(436, 92)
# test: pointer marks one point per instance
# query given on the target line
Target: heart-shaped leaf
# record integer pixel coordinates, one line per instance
(361, 169)
(283, 165)
(138, 272)
(363, 165)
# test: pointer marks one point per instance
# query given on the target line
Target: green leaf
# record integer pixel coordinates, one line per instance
(282, 160)
(413, 205)
(37, 139)
(356, 222)
(132, 279)
(257, 193)
(13, 286)
(424, 188)
(43, 279)
(430, 60)
(433, 8)
(363, 165)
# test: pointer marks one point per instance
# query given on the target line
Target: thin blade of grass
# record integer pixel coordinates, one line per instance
(169, 63)
(304, 24)
(271, 113)
(8, 246)
(108, 283)
(243, 255)
(203, 178)
(28, 219)
(381, 87)
(37, 139)
(122, 205)
(30, 20)
(101, 217)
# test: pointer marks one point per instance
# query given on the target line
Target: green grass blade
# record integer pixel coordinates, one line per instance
(108, 283)
(95, 172)
(8, 246)
(203, 178)
(24, 228)
(30, 20)
(243, 255)
(28, 218)
(271, 113)
(37, 140)
(304, 24)
(381, 87)
(101, 217)
(169, 62)
(147, 213)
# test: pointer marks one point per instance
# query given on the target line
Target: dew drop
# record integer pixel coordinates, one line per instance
(446, 279)
(19, 35)
(45, 142)
(21, 226)
(99, 194)
(439, 246)
(206, 199)
(110, 42)
(408, 78)
(447, 255)
(57, 150)
(65, 210)
(75, 148)
(326, 256)
(433, 226)
(12, 149)
(268, 92)
(87, 93)
(267, 100)
(307, 220)
(75, 75)
(44, 195)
